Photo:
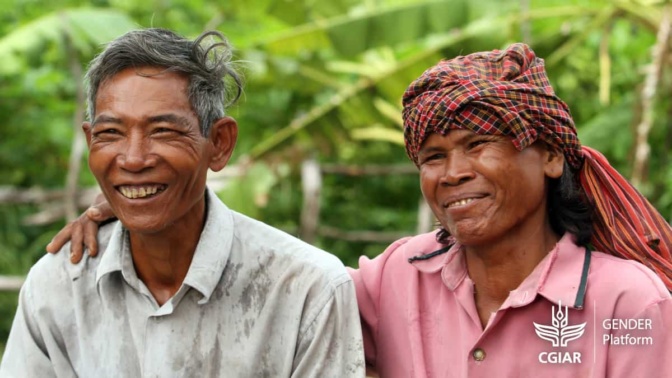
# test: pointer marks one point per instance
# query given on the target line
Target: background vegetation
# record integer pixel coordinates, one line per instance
(324, 81)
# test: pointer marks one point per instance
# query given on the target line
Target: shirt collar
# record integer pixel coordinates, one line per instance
(213, 249)
(449, 259)
(560, 277)
(564, 273)
(111, 260)
(210, 258)
(430, 257)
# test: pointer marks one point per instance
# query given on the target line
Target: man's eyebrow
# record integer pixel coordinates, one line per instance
(169, 118)
(106, 119)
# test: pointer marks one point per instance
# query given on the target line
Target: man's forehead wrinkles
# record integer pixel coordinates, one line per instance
(171, 118)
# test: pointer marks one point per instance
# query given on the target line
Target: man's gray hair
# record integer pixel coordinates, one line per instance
(206, 62)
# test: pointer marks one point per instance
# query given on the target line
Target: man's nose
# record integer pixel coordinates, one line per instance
(457, 170)
(137, 155)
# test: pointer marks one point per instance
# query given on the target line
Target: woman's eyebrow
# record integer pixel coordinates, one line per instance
(430, 149)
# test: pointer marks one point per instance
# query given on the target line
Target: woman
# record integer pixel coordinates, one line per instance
(510, 285)
(547, 262)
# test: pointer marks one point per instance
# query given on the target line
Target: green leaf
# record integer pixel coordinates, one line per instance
(379, 133)
(383, 26)
(87, 28)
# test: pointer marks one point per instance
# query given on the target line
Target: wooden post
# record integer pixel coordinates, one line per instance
(651, 82)
(425, 217)
(311, 182)
(79, 141)
(10, 283)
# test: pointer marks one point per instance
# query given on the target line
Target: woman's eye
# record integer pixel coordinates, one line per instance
(477, 143)
(432, 157)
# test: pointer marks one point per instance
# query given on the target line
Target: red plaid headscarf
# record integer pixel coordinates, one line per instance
(508, 93)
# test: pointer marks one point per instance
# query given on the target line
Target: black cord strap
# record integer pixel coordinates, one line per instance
(429, 255)
(581, 293)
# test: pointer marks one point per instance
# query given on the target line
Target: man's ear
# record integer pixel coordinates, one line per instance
(86, 126)
(223, 136)
(554, 161)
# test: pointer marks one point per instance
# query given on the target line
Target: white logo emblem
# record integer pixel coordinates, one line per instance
(559, 333)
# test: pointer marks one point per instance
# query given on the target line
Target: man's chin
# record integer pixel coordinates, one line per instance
(135, 225)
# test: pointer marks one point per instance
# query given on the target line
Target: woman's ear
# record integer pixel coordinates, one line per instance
(223, 136)
(554, 161)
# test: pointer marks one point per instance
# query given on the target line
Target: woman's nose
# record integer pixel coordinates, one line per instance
(457, 170)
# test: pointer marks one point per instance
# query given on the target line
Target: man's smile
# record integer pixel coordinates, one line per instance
(140, 191)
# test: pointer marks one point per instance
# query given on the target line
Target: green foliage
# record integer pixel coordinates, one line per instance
(249, 193)
(85, 28)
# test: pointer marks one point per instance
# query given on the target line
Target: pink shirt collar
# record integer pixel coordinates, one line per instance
(557, 277)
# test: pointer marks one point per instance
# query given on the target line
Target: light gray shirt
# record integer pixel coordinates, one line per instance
(256, 302)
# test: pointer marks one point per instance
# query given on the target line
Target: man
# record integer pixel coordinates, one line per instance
(547, 262)
(184, 287)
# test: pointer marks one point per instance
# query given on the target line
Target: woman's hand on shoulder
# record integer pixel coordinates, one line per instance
(82, 232)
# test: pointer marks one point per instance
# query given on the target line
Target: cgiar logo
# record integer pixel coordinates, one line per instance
(559, 333)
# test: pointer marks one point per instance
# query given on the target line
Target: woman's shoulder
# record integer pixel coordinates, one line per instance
(397, 257)
(417, 245)
(628, 281)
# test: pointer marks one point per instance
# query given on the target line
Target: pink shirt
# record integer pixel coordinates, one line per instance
(419, 319)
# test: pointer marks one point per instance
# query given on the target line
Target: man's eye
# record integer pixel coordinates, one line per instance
(106, 132)
(164, 130)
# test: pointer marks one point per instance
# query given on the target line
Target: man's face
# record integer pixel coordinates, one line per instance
(482, 189)
(147, 152)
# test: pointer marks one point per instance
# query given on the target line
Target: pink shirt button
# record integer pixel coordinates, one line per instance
(478, 354)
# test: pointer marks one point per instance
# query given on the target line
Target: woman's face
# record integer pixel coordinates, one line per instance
(482, 189)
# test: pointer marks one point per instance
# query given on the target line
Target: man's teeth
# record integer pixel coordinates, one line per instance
(460, 202)
(140, 192)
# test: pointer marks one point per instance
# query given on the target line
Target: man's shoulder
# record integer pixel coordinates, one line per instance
(55, 272)
(269, 271)
(260, 240)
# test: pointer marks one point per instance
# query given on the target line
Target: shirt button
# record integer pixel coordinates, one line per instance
(478, 354)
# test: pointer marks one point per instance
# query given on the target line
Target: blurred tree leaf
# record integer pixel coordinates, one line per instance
(86, 28)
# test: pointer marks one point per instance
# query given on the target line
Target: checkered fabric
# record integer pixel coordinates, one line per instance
(508, 93)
